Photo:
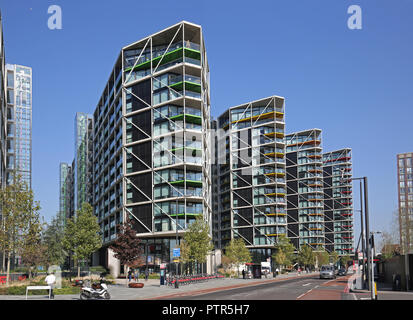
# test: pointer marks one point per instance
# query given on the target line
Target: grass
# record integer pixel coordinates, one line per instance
(20, 288)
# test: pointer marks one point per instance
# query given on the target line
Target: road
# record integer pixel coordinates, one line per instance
(309, 288)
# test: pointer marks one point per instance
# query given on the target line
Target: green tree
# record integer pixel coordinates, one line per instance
(55, 252)
(322, 257)
(284, 252)
(198, 240)
(18, 210)
(237, 252)
(334, 257)
(306, 256)
(33, 250)
(81, 235)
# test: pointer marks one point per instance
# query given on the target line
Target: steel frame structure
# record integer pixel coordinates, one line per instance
(203, 103)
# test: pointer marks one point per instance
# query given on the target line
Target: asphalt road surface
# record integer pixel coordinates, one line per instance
(291, 289)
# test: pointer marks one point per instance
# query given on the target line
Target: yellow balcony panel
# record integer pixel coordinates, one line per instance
(275, 234)
(275, 194)
(278, 174)
(272, 134)
(276, 214)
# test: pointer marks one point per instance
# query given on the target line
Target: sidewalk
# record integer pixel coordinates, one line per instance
(153, 290)
(384, 292)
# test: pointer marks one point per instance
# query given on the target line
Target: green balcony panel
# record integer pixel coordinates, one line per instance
(189, 118)
(170, 56)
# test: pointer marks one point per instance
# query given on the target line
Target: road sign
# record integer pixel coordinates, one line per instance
(176, 253)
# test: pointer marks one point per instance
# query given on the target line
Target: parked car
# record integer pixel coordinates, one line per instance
(327, 272)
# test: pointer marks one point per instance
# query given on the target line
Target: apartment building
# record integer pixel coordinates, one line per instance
(338, 201)
(405, 200)
(151, 148)
(305, 200)
(250, 163)
(19, 123)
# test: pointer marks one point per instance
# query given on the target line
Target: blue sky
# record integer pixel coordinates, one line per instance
(355, 85)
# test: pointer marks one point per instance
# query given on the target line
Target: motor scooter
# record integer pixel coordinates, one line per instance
(95, 291)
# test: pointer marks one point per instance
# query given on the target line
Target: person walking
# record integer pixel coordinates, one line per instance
(51, 280)
(130, 275)
(146, 274)
(243, 273)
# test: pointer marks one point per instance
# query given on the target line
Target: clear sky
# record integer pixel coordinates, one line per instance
(355, 85)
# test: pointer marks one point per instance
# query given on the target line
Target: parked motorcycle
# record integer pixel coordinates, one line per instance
(95, 291)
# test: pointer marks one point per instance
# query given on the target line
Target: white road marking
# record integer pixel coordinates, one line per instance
(304, 285)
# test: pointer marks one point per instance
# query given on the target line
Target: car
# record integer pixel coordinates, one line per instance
(342, 272)
(327, 272)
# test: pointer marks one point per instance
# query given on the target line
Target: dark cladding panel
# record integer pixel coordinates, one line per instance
(143, 91)
(144, 214)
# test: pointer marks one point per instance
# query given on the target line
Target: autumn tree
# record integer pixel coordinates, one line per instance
(127, 247)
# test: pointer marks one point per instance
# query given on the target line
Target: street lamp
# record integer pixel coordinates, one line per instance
(367, 228)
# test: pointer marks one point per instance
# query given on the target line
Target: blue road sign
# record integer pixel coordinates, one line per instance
(176, 252)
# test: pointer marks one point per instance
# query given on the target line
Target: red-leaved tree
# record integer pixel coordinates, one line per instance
(127, 246)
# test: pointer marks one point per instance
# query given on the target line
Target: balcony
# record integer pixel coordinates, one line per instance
(176, 51)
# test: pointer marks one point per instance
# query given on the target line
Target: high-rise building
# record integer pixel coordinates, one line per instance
(83, 160)
(19, 123)
(147, 144)
(3, 110)
(305, 209)
(250, 163)
(405, 200)
(338, 201)
(320, 198)
(64, 192)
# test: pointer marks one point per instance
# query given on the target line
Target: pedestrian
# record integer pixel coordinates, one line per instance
(243, 274)
(130, 275)
(136, 275)
(51, 280)
(146, 274)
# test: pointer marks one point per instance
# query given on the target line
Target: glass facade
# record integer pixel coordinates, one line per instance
(19, 122)
(305, 198)
(338, 203)
(405, 201)
(250, 163)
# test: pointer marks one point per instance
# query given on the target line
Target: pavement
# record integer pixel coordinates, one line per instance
(152, 289)
(335, 289)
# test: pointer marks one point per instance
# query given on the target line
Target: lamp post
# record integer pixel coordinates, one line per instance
(365, 234)
(372, 283)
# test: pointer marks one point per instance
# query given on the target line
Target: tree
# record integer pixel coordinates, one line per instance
(17, 211)
(33, 250)
(82, 236)
(55, 252)
(184, 258)
(198, 240)
(284, 252)
(333, 257)
(322, 257)
(127, 247)
(237, 252)
(306, 256)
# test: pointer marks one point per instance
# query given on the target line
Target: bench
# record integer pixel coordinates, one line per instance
(39, 288)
